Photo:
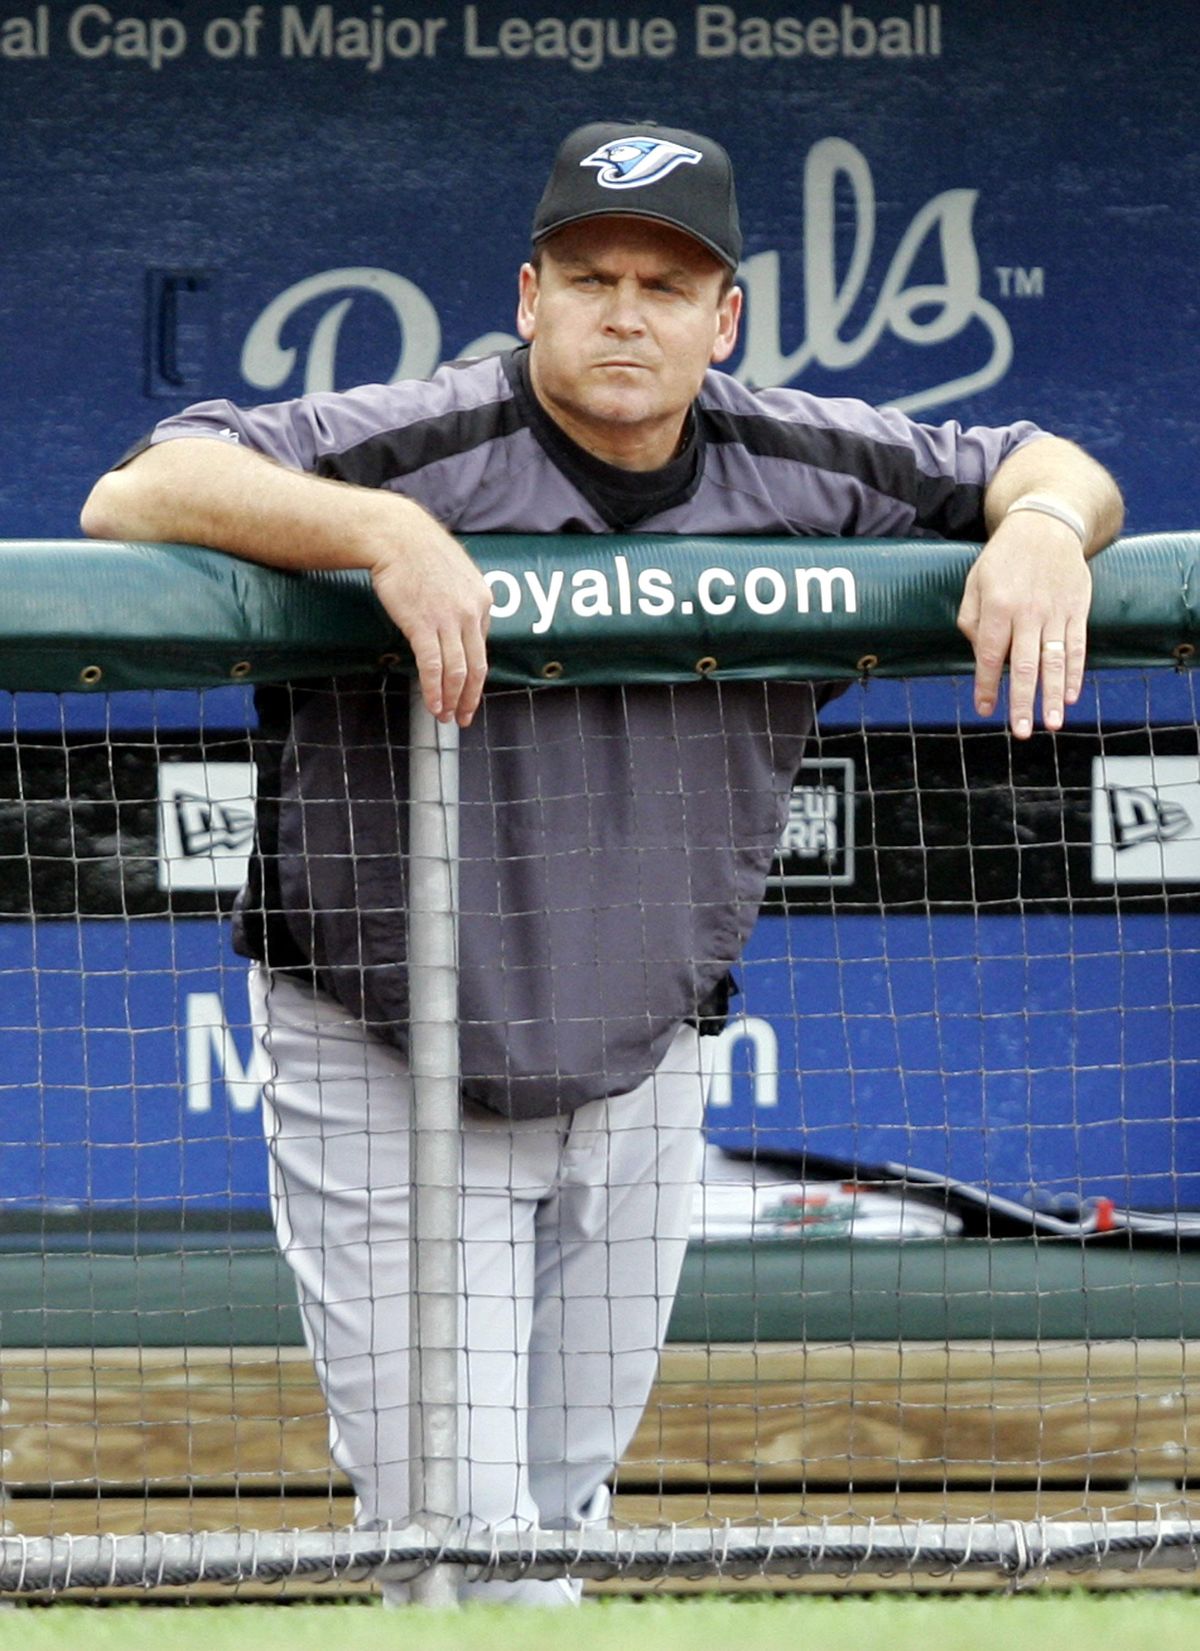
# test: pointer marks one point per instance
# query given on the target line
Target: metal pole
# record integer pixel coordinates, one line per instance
(435, 1165)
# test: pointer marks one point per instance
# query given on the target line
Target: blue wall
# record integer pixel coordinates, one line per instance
(1037, 177)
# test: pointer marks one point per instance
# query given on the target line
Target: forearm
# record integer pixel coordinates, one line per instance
(205, 492)
(1053, 466)
(229, 498)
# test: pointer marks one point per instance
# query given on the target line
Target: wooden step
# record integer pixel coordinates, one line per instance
(211, 1419)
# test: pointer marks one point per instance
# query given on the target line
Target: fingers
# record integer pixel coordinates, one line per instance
(464, 671)
(1062, 665)
(1025, 605)
(441, 602)
(427, 657)
(1037, 659)
(451, 664)
(990, 635)
(1076, 640)
(1054, 680)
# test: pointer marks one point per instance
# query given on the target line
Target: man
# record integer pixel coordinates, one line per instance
(615, 842)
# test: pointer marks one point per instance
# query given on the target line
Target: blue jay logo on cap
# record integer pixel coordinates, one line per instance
(630, 163)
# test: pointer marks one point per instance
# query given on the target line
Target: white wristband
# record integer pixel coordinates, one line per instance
(1047, 505)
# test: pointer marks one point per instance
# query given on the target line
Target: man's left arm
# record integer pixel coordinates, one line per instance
(1047, 508)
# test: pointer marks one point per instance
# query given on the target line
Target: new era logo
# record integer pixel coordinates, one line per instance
(209, 827)
(1139, 816)
(205, 824)
(817, 843)
(1146, 819)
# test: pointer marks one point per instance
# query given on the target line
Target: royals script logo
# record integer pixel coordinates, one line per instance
(920, 313)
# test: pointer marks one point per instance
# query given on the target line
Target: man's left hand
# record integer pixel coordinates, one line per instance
(1026, 603)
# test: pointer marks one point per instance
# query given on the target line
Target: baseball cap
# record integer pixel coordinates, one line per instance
(646, 171)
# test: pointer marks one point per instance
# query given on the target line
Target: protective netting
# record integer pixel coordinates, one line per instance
(939, 1298)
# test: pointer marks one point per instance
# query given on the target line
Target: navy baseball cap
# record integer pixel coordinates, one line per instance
(646, 171)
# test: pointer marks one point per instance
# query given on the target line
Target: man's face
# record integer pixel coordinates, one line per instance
(624, 318)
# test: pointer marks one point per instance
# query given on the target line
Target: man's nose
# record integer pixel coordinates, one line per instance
(624, 313)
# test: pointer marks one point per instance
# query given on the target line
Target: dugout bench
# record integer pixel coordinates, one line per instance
(150, 1384)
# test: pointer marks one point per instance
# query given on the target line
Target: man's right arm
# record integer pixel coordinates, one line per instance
(209, 492)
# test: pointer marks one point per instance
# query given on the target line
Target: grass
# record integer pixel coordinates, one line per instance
(1135, 1621)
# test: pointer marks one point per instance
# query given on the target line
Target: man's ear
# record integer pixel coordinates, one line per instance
(729, 315)
(527, 297)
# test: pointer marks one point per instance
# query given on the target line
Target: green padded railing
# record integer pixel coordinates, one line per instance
(104, 616)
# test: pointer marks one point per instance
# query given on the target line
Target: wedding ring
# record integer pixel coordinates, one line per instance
(1054, 647)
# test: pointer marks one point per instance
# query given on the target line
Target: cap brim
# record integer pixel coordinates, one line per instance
(609, 211)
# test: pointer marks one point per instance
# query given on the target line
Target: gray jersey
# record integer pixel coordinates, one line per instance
(615, 842)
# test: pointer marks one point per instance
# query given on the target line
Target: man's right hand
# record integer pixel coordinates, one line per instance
(437, 596)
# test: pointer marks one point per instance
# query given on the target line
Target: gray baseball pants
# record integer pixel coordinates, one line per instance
(573, 1236)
